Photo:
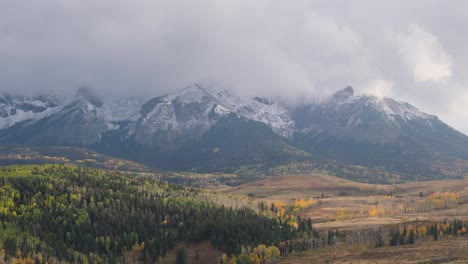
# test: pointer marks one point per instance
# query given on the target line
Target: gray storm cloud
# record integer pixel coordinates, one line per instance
(409, 50)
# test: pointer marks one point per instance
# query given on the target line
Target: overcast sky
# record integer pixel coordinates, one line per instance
(414, 51)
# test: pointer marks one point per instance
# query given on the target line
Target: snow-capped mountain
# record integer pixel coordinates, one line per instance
(362, 118)
(123, 109)
(16, 108)
(206, 127)
(80, 120)
(375, 131)
(171, 120)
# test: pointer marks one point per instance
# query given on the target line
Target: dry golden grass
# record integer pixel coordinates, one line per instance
(368, 206)
(365, 205)
(286, 186)
(444, 251)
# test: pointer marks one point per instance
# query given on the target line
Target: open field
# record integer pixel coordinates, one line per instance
(288, 186)
(350, 205)
(445, 251)
(362, 209)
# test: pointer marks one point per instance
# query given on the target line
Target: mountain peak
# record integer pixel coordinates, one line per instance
(89, 95)
(211, 89)
(192, 87)
(206, 87)
(343, 94)
(263, 100)
(203, 91)
(190, 94)
(196, 88)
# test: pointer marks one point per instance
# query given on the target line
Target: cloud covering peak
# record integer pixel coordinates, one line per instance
(411, 50)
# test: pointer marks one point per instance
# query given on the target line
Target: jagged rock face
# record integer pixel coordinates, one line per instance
(173, 120)
(376, 131)
(53, 121)
(78, 123)
(88, 95)
(341, 95)
(14, 109)
(364, 118)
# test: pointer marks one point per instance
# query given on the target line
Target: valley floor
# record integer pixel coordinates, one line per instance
(445, 251)
(357, 208)
(349, 205)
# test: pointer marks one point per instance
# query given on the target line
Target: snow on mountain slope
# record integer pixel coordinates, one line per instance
(391, 108)
(361, 125)
(80, 120)
(263, 110)
(86, 106)
(360, 117)
(398, 110)
(359, 129)
(179, 117)
(191, 111)
(195, 109)
(372, 131)
(187, 114)
(275, 115)
(123, 109)
(15, 109)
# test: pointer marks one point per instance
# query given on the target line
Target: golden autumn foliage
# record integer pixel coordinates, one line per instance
(301, 204)
(258, 255)
(345, 214)
(376, 210)
(294, 224)
(26, 260)
(385, 205)
(422, 231)
(278, 204)
(281, 212)
(442, 200)
(287, 213)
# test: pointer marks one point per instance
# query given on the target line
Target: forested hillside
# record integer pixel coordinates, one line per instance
(15, 155)
(80, 215)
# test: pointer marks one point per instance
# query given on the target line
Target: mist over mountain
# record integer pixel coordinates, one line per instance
(207, 128)
(373, 131)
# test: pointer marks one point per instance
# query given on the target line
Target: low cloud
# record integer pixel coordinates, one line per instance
(297, 51)
(424, 55)
(380, 88)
